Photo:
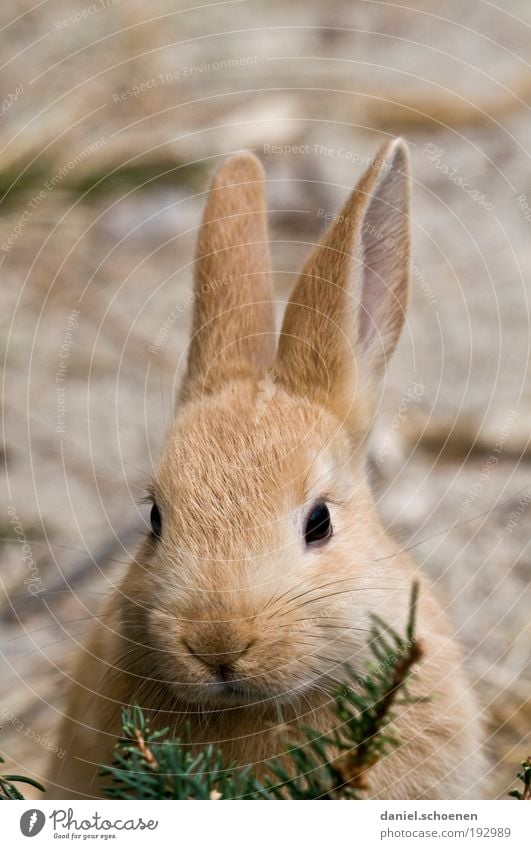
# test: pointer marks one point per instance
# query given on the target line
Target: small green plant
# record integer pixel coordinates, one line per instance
(523, 794)
(7, 785)
(148, 765)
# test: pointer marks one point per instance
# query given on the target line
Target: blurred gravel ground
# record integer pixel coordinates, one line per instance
(111, 123)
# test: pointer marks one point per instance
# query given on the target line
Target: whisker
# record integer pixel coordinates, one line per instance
(339, 592)
(332, 584)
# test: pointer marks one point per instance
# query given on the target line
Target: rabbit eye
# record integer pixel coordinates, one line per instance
(318, 525)
(156, 521)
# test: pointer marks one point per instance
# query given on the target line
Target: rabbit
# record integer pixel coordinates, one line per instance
(266, 557)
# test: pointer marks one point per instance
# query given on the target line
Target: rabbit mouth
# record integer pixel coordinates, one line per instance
(222, 691)
(234, 692)
(229, 690)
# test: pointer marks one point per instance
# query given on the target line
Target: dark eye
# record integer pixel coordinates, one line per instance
(318, 525)
(156, 521)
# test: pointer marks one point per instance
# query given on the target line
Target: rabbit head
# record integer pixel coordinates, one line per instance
(265, 555)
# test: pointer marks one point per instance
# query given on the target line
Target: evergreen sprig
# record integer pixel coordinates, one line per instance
(8, 789)
(525, 776)
(147, 764)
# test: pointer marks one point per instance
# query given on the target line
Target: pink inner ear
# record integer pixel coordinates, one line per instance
(384, 257)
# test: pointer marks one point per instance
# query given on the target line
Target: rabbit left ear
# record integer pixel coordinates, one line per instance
(346, 313)
(233, 333)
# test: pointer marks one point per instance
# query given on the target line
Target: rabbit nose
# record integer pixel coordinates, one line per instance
(221, 661)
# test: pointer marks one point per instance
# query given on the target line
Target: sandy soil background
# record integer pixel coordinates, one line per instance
(113, 117)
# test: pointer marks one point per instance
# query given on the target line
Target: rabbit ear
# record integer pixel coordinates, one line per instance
(347, 310)
(233, 324)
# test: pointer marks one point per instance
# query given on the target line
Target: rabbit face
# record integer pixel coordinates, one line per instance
(254, 584)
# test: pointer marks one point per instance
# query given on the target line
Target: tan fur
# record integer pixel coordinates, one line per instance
(256, 441)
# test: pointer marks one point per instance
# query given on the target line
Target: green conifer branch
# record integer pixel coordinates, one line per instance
(525, 776)
(7, 785)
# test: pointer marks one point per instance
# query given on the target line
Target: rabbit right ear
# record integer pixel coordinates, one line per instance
(347, 310)
(233, 333)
